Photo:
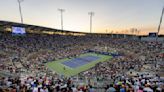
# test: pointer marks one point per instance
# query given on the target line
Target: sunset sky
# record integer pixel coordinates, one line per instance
(112, 15)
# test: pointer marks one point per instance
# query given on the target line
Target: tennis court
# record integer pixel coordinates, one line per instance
(80, 61)
(73, 66)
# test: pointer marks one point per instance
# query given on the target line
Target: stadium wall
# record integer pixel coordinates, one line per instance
(160, 39)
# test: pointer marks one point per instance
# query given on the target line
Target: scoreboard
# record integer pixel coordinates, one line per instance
(152, 34)
(18, 30)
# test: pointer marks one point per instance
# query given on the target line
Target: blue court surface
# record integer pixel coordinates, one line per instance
(80, 61)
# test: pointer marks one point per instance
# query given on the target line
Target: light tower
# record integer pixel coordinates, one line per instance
(61, 12)
(160, 24)
(20, 10)
(91, 15)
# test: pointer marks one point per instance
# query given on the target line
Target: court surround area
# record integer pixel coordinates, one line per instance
(69, 67)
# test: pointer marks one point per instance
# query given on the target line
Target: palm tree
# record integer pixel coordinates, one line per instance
(132, 30)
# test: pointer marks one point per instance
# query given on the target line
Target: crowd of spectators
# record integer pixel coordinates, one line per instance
(23, 59)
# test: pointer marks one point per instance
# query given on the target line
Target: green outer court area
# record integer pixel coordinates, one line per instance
(58, 67)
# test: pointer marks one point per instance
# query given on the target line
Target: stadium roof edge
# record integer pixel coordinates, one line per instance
(42, 28)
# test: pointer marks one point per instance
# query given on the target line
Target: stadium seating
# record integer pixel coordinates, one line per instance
(135, 67)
